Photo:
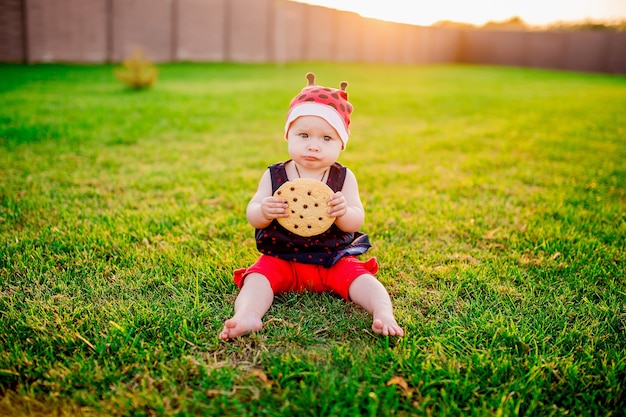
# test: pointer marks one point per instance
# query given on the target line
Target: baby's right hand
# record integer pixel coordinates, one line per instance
(274, 207)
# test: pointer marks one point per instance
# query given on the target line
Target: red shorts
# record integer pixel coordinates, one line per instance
(287, 276)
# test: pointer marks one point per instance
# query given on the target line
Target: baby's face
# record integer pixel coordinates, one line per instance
(313, 142)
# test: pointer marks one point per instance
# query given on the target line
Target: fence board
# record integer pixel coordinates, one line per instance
(320, 33)
(443, 45)
(587, 51)
(144, 24)
(617, 53)
(201, 27)
(12, 47)
(66, 30)
(248, 30)
(545, 50)
(289, 36)
(349, 37)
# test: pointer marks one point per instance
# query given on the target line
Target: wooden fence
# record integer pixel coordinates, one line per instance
(97, 31)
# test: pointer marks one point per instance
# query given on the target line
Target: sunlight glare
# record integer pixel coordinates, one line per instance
(536, 12)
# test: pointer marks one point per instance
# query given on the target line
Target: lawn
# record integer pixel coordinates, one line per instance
(495, 202)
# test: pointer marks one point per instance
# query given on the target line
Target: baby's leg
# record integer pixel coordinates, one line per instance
(370, 294)
(253, 301)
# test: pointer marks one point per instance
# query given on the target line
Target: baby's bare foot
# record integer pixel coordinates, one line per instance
(239, 326)
(387, 326)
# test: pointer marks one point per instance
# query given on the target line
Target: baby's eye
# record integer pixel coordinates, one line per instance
(304, 135)
(327, 138)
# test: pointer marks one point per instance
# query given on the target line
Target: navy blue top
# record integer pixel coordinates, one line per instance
(324, 249)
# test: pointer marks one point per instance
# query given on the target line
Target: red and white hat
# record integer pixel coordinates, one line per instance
(330, 104)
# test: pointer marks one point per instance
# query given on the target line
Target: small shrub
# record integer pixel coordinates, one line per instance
(138, 72)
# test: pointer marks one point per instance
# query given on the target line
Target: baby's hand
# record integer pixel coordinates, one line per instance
(337, 206)
(274, 207)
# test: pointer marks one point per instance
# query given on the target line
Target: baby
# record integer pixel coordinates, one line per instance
(317, 130)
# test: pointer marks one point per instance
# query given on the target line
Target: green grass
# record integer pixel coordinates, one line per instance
(495, 201)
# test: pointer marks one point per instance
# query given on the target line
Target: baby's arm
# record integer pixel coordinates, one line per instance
(346, 205)
(263, 208)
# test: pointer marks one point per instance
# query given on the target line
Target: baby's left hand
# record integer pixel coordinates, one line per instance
(337, 206)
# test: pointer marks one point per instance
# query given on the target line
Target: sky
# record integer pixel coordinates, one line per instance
(478, 12)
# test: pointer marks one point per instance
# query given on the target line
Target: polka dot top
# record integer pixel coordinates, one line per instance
(324, 249)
